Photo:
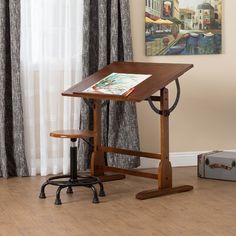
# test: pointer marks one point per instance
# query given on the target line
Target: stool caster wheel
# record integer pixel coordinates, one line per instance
(58, 198)
(69, 190)
(42, 191)
(57, 201)
(95, 195)
(95, 200)
(42, 195)
(101, 192)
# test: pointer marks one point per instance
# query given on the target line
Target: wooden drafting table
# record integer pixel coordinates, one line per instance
(162, 75)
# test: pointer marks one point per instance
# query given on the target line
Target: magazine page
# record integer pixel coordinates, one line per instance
(117, 84)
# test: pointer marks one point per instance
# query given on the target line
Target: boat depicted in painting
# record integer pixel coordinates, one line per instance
(178, 48)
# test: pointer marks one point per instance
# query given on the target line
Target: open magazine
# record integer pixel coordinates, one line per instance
(117, 84)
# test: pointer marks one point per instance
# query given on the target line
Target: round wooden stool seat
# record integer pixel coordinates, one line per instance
(72, 134)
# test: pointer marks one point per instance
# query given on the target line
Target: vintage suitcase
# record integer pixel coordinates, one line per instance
(217, 165)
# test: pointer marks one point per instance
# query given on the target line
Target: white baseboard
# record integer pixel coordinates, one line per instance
(177, 159)
(184, 158)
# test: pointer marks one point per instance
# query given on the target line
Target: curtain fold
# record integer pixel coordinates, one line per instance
(12, 153)
(107, 38)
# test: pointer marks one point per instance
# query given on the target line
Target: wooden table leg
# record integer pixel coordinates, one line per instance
(164, 169)
(97, 160)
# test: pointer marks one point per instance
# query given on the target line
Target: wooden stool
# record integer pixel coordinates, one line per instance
(73, 179)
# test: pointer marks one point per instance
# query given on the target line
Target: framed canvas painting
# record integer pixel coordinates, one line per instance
(183, 27)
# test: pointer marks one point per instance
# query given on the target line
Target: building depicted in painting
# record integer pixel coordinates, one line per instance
(176, 9)
(153, 9)
(205, 16)
(217, 5)
(170, 11)
(187, 17)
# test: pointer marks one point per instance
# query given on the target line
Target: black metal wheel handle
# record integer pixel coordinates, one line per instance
(167, 112)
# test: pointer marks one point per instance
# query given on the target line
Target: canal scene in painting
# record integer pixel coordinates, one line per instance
(183, 27)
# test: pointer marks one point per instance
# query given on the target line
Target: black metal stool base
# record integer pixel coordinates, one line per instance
(85, 181)
(73, 180)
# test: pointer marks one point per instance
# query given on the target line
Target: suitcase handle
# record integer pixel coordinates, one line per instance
(217, 165)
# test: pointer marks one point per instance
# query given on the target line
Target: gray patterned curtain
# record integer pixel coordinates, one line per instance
(107, 38)
(12, 155)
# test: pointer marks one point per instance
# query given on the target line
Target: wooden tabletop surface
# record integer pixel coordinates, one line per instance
(162, 75)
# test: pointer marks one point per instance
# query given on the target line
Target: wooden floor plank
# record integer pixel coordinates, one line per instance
(208, 210)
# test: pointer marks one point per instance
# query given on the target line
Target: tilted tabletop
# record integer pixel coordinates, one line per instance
(161, 75)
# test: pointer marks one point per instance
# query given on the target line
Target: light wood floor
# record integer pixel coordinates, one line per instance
(208, 210)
